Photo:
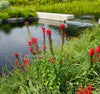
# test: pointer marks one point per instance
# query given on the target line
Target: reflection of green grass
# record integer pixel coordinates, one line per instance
(75, 7)
(44, 77)
(18, 12)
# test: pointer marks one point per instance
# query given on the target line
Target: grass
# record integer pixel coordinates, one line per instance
(70, 69)
(75, 7)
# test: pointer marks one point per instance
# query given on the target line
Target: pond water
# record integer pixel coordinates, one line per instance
(14, 38)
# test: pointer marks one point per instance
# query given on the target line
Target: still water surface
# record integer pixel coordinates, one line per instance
(14, 38)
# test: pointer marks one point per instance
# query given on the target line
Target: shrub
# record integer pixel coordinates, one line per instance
(4, 4)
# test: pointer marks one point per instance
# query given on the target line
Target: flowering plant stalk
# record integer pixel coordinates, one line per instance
(44, 46)
(62, 27)
(50, 43)
(29, 34)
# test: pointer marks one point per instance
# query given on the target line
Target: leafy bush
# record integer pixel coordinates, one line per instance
(4, 5)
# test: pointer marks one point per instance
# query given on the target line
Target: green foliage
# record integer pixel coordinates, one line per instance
(75, 7)
(4, 5)
(18, 12)
(44, 77)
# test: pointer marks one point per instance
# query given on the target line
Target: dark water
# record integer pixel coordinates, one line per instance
(14, 38)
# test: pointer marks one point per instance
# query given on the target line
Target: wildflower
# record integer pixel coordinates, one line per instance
(92, 52)
(43, 28)
(61, 61)
(29, 43)
(99, 49)
(31, 49)
(62, 27)
(40, 57)
(26, 23)
(16, 63)
(4, 74)
(22, 67)
(51, 60)
(39, 52)
(65, 34)
(25, 61)
(34, 40)
(79, 37)
(22, 55)
(15, 54)
(48, 32)
(44, 47)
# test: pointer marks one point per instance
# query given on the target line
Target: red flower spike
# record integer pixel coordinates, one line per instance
(48, 32)
(44, 47)
(4, 74)
(92, 52)
(99, 49)
(51, 60)
(65, 34)
(39, 52)
(22, 55)
(43, 28)
(29, 43)
(22, 67)
(31, 49)
(16, 63)
(61, 61)
(34, 40)
(62, 27)
(15, 54)
(79, 37)
(40, 57)
(25, 61)
(26, 23)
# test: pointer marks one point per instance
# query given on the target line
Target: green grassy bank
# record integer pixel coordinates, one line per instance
(21, 11)
(69, 70)
(75, 7)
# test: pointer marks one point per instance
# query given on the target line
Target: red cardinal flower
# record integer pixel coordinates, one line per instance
(40, 57)
(99, 49)
(25, 61)
(61, 61)
(15, 54)
(62, 27)
(43, 28)
(34, 40)
(92, 52)
(26, 23)
(16, 63)
(29, 43)
(65, 34)
(31, 49)
(22, 67)
(48, 32)
(22, 55)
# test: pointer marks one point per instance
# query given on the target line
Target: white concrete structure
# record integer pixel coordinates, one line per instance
(50, 22)
(55, 16)
(99, 21)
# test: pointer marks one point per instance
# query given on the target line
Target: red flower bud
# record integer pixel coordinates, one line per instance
(43, 28)
(29, 43)
(62, 27)
(48, 32)
(22, 67)
(26, 23)
(22, 55)
(15, 54)
(92, 52)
